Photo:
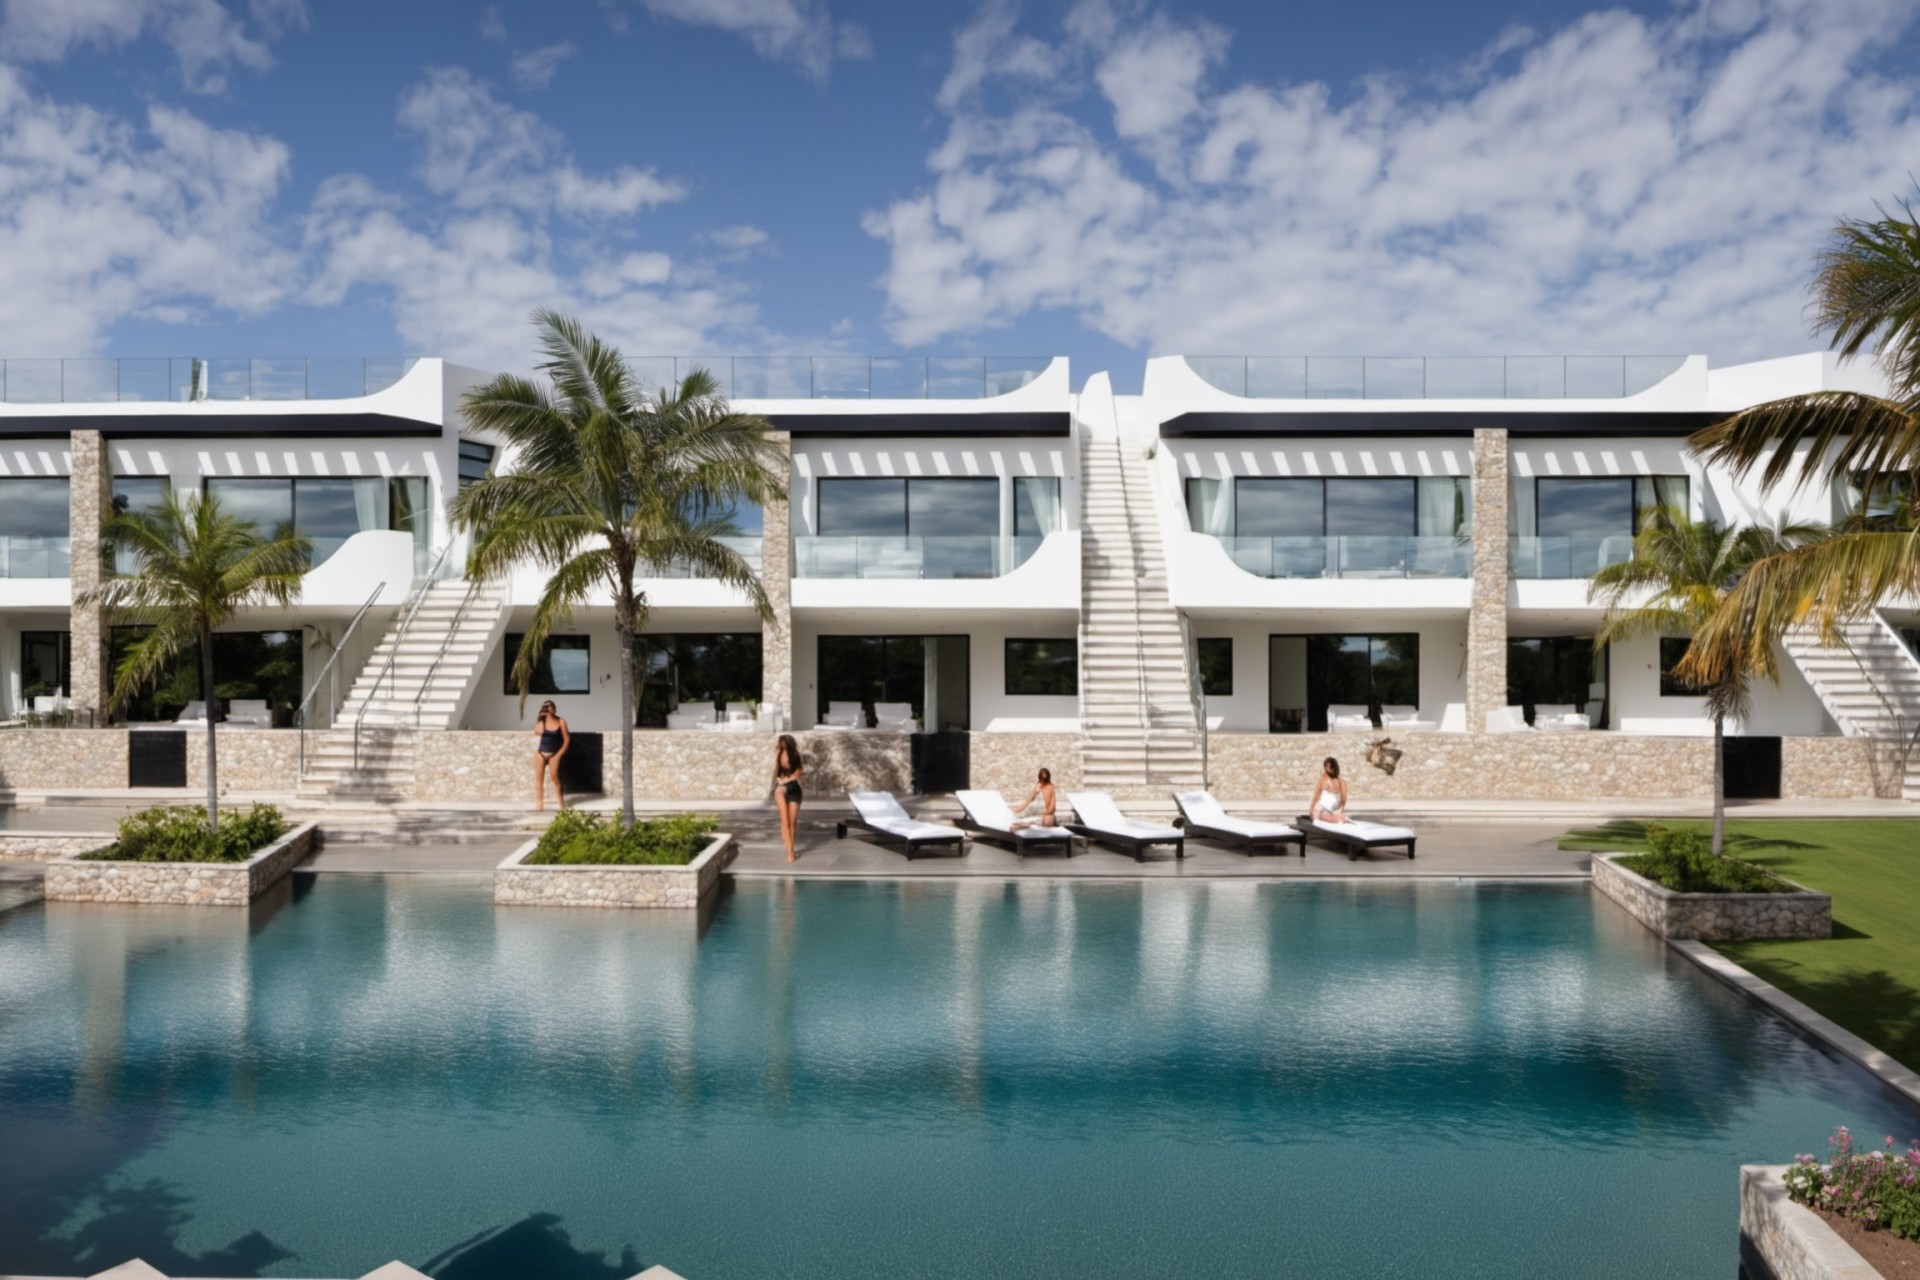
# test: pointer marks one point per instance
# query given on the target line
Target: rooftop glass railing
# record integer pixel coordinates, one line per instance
(849, 377)
(1435, 377)
(1352, 556)
(1556, 557)
(188, 379)
(874, 556)
(34, 556)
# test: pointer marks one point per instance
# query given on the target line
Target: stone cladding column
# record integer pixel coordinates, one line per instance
(90, 496)
(776, 575)
(1487, 620)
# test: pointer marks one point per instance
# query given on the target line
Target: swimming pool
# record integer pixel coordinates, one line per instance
(890, 1079)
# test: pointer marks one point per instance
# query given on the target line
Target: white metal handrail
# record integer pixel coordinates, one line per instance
(420, 593)
(302, 714)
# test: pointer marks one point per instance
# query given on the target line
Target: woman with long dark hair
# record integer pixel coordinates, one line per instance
(554, 739)
(1329, 803)
(787, 769)
(1043, 793)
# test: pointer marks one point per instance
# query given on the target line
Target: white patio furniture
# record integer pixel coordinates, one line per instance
(1560, 717)
(883, 817)
(1347, 717)
(249, 713)
(1454, 718)
(1099, 819)
(1404, 719)
(991, 818)
(195, 712)
(897, 716)
(844, 715)
(691, 717)
(740, 717)
(1508, 720)
(1206, 820)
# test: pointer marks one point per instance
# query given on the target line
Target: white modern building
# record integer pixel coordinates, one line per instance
(1254, 563)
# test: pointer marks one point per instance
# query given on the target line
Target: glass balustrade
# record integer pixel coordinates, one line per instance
(847, 377)
(1435, 377)
(23, 556)
(1352, 556)
(748, 549)
(1558, 557)
(876, 556)
(187, 379)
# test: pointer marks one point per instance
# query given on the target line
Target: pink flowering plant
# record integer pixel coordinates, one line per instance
(1880, 1189)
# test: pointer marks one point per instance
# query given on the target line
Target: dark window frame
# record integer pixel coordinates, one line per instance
(1318, 723)
(1219, 688)
(1028, 690)
(1672, 649)
(823, 696)
(510, 654)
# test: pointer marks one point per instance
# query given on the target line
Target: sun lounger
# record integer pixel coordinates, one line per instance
(879, 814)
(1358, 837)
(988, 816)
(1099, 819)
(1206, 820)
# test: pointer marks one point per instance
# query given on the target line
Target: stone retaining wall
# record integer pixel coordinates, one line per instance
(1008, 762)
(252, 761)
(1713, 917)
(256, 761)
(1790, 1240)
(516, 884)
(28, 846)
(183, 884)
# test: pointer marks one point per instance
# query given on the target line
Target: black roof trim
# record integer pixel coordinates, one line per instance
(924, 425)
(160, 426)
(1442, 423)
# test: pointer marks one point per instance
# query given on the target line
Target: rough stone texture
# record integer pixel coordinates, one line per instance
(1793, 1241)
(1713, 917)
(776, 554)
(91, 489)
(1008, 762)
(516, 884)
(1487, 619)
(63, 758)
(252, 761)
(28, 847)
(1840, 769)
(179, 884)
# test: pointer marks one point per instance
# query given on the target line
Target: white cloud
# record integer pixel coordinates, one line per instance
(206, 37)
(478, 151)
(1620, 183)
(536, 68)
(738, 241)
(802, 32)
(101, 219)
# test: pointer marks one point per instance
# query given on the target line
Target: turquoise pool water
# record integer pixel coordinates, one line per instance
(890, 1080)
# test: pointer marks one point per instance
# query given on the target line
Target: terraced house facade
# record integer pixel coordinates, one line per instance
(1253, 563)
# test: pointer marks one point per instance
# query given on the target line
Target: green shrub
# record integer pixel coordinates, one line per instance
(161, 834)
(577, 838)
(1683, 860)
(1880, 1189)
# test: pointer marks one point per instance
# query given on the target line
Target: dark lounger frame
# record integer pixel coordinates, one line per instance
(1248, 845)
(1135, 845)
(1022, 845)
(1355, 845)
(906, 844)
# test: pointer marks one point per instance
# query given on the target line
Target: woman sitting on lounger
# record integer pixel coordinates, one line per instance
(1329, 803)
(1043, 792)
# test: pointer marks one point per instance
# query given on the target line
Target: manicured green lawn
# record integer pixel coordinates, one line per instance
(1867, 976)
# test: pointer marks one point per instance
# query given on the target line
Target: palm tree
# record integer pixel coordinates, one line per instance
(611, 483)
(1674, 583)
(1866, 297)
(195, 567)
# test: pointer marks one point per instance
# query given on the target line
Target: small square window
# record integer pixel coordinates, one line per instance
(1672, 649)
(564, 667)
(1216, 667)
(1043, 668)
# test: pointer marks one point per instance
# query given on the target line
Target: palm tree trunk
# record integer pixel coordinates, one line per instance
(626, 723)
(1719, 781)
(206, 700)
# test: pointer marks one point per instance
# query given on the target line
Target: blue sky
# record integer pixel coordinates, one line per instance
(1100, 178)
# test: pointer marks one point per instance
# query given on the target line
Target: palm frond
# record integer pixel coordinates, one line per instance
(1824, 436)
(568, 586)
(1866, 292)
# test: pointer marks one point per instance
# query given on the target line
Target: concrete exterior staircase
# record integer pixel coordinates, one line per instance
(437, 651)
(1136, 703)
(1869, 682)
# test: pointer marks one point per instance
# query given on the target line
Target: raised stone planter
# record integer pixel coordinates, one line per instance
(1713, 917)
(1790, 1240)
(516, 884)
(70, 878)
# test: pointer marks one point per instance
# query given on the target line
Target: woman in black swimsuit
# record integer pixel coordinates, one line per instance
(555, 738)
(786, 789)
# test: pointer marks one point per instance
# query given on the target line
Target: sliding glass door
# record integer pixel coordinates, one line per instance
(929, 673)
(1309, 673)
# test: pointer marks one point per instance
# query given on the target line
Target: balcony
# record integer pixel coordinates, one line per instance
(36, 556)
(748, 548)
(1352, 556)
(1435, 377)
(191, 379)
(849, 377)
(1564, 558)
(937, 558)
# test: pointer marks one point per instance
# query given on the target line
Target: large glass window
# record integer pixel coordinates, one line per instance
(693, 670)
(1215, 654)
(45, 657)
(34, 527)
(476, 460)
(1278, 508)
(954, 508)
(1370, 508)
(1307, 674)
(928, 673)
(1036, 506)
(1208, 508)
(324, 509)
(261, 666)
(1650, 493)
(1585, 508)
(409, 511)
(1043, 668)
(874, 508)
(139, 496)
(955, 523)
(1557, 671)
(564, 666)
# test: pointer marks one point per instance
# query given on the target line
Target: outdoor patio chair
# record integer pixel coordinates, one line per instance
(250, 713)
(1204, 819)
(195, 712)
(1404, 720)
(1099, 819)
(1357, 837)
(987, 815)
(1560, 717)
(879, 814)
(698, 716)
(1508, 720)
(844, 715)
(897, 716)
(1344, 717)
(740, 716)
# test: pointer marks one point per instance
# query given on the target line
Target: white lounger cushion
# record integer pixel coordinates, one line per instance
(880, 810)
(990, 810)
(1200, 807)
(1367, 830)
(1096, 809)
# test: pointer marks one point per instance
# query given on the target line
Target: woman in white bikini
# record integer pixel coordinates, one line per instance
(1329, 803)
(1043, 792)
